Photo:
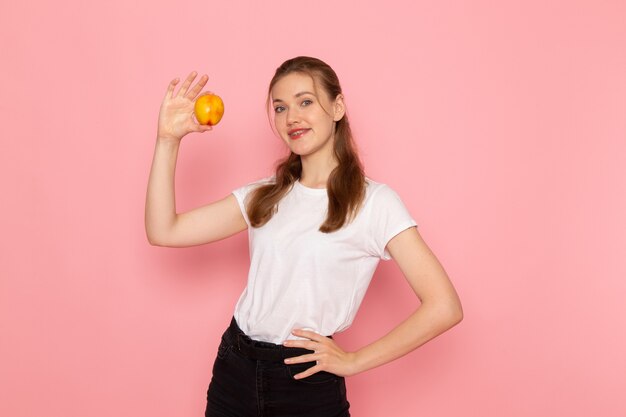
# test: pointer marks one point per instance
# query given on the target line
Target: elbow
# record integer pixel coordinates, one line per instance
(455, 313)
(163, 240)
(154, 240)
(159, 233)
(452, 309)
(447, 314)
(155, 234)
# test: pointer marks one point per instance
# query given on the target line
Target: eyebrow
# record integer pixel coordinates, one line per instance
(297, 95)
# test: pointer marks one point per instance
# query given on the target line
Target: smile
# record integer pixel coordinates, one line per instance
(298, 133)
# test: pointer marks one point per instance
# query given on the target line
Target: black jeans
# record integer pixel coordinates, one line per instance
(251, 379)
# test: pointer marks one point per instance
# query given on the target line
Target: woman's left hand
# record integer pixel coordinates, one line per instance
(327, 354)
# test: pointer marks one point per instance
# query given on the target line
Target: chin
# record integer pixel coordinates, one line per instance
(298, 150)
(299, 153)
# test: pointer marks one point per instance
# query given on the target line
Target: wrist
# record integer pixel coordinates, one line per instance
(356, 363)
(167, 140)
(166, 134)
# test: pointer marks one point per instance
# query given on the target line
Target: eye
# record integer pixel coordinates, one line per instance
(278, 109)
(307, 101)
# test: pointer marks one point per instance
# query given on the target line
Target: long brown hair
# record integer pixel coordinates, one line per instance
(346, 183)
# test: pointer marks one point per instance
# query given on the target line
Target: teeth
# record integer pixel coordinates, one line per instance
(297, 132)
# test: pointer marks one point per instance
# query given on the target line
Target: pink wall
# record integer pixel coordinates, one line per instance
(501, 125)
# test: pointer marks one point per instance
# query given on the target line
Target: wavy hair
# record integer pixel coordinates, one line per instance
(346, 183)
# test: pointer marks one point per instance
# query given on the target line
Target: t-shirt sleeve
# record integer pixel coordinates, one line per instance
(242, 193)
(389, 216)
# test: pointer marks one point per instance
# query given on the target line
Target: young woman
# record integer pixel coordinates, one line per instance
(317, 228)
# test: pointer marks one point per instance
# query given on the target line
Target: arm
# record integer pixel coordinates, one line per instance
(440, 310)
(165, 227)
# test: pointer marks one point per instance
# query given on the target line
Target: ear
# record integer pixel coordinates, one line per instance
(339, 108)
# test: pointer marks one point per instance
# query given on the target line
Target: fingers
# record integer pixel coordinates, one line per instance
(309, 335)
(326, 354)
(306, 344)
(312, 370)
(198, 87)
(183, 89)
(311, 340)
(201, 128)
(170, 87)
(309, 357)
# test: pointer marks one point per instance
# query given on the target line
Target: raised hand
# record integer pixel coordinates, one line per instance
(176, 117)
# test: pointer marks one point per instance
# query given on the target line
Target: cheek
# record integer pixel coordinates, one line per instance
(279, 121)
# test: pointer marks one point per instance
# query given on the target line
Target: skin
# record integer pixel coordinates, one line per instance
(440, 308)
(313, 110)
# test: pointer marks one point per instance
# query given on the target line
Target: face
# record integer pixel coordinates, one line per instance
(304, 118)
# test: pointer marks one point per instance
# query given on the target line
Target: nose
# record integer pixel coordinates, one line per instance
(292, 117)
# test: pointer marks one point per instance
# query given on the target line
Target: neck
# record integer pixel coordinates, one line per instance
(316, 169)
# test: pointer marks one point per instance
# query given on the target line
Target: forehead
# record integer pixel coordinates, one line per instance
(291, 84)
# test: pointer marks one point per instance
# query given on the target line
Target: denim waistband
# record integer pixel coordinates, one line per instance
(257, 350)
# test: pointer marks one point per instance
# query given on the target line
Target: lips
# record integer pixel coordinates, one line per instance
(297, 133)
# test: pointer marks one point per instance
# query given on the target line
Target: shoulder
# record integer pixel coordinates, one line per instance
(263, 180)
(383, 200)
(257, 182)
(378, 191)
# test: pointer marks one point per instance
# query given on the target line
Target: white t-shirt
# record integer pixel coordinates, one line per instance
(302, 278)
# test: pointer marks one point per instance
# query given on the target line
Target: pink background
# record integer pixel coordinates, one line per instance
(500, 124)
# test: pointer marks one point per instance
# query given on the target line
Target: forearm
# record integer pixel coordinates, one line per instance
(160, 212)
(427, 322)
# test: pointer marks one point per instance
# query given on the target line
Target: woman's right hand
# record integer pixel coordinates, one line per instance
(176, 116)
